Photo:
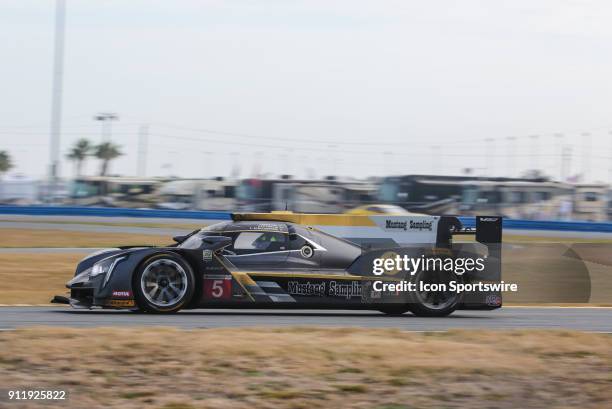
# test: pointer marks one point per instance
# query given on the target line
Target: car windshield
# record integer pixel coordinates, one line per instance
(194, 239)
(215, 227)
(193, 242)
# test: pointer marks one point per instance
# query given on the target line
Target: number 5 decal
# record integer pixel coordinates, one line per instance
(218, 288)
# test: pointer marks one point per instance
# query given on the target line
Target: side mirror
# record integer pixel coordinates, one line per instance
(216, 243)
(293, 236)
(180, 239)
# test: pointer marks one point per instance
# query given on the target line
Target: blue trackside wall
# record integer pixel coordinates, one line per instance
(547, 225)
(214, 215)
(112, 212)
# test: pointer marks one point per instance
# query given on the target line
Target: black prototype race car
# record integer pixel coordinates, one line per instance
(269, 260)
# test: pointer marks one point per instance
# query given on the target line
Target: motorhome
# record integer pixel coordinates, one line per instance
(518, 199)
(591, 202)
(198, 194)
(113, 191)
(330, 195)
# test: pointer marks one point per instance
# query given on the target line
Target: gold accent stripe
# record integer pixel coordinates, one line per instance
(241, 278)
(318, 276)
(308, 219)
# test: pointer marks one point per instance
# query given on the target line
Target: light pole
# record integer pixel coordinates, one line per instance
(489, 153)
(235, 165)
(586, 155)
(56, 93)
(434, 152)
(535, 153)
(332, 159)
(387, 162)
(207, 165)
(106, 119)
(511, 155)
(143, 144)
(566, 164)
(288, 161)
(559, 138)
(610, 161)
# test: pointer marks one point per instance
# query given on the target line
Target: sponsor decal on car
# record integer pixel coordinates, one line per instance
(121, 303)
(266, 227)
(408, 225)
(207, 255)
(489, 219)
(122, 294)
(344, 289)
(493, 300)
(218, 287)
(307, 288)
(394, 224)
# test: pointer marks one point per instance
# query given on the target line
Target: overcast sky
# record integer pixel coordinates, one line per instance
(353, 87)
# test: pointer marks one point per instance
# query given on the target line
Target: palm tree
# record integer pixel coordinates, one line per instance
(5, 162)
(106, 152)
(79, 152)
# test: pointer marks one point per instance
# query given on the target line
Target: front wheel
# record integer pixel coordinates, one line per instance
(164, 283)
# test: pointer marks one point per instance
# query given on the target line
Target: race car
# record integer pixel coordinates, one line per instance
(286, 260)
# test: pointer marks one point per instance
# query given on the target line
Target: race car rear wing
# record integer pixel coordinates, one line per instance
(488, 229)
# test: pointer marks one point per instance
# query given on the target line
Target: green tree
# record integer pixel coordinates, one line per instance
(106, 152)
(79, 152)
(5, 162)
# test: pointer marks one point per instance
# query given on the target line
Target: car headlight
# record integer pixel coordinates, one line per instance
(105, 267)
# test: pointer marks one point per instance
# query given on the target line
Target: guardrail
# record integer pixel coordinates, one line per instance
(214, 215)
(112, 212)
(552, 225)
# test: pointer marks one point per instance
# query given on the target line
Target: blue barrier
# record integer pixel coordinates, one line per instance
(212, 215)
(112, 212)
(547, 225)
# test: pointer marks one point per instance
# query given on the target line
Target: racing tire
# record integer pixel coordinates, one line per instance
(434, 303)
(164, 283)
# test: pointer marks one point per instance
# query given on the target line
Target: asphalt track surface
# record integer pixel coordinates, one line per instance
(583, 319)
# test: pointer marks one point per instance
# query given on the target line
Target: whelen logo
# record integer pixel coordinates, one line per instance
(122, 294)
(405, 225)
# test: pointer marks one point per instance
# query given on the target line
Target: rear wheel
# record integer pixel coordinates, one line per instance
(164, 283)
(428, 301)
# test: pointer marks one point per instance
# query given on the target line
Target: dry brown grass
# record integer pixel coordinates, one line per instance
(35, 278)
(310, 368)
(64, 238)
